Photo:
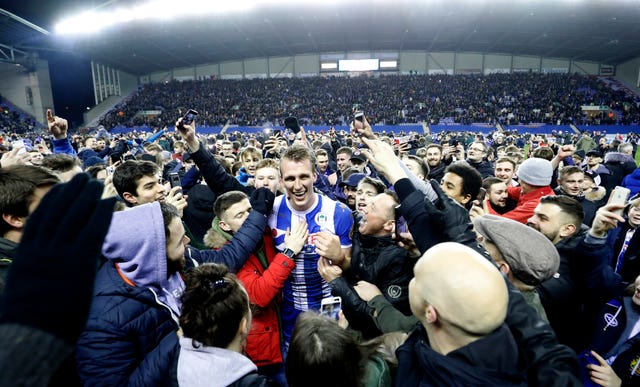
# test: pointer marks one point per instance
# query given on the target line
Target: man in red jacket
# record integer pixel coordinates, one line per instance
(534, 176)
(263, 275)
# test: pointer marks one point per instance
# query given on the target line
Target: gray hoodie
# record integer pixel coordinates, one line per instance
(210, 366)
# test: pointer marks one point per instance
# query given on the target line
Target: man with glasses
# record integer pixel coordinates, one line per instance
(476, 157)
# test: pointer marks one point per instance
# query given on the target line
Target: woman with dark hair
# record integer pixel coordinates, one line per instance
(322, 353)
(215, 322)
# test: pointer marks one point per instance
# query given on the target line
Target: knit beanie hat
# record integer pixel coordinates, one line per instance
(535, 171)
(532, 257)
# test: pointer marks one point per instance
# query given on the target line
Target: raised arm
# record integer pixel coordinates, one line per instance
(235, 254)
(218, 180)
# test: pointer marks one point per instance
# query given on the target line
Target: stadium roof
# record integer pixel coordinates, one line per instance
(600, 31)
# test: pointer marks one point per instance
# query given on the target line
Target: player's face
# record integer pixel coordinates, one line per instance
(297, 179)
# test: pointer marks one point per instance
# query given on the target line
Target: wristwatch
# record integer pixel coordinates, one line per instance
(289, 253)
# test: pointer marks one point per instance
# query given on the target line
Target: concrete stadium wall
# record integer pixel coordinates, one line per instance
(629, 73)
(419, 62)
(128, 84)
(30, 91)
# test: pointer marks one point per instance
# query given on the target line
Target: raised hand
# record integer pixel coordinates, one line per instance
(188, 133)
(57, 126)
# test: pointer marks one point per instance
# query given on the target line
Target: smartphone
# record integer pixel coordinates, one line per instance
(453, 142)
(401, 223)
(292, 123)
(619, 196)
(189, 117)
(174, 179)
(110, 169)
(359, 115)
(481, 195)
(585, 358)
(330, 307)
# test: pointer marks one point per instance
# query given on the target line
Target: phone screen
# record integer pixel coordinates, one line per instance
(174, 179)
(189, 117)
(331, 307)
(481, 195)
(401, 223)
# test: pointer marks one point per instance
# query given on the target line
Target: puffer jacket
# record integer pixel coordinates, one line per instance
(131, 334)
(129, 339)
(263, 278)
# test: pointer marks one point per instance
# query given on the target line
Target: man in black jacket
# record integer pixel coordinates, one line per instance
(375, 258)
(477, 158)
(546, 361)
(461, 300)
(584, 278)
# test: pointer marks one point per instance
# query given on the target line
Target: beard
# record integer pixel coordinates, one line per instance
(175, 266)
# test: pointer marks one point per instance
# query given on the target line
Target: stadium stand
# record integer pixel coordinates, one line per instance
(513, 100)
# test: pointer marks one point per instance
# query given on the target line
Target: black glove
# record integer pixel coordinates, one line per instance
(450, 217)
(50, 283)
(262, 200)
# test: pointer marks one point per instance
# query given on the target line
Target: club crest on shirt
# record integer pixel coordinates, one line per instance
(610, 320)
(394, 291)
(321, 219)
(633, 366)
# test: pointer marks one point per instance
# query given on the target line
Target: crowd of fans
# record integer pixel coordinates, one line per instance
(11, 120)
(224, 259)
(509, 99)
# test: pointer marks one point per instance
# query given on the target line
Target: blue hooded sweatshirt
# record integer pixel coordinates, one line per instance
(136, 242)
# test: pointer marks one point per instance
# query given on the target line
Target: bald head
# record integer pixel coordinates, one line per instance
(468, 293)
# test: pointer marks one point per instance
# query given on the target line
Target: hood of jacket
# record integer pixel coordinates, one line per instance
(216, 237)
(618, 157)
(596, 194)
(136, 242)
(200, 366)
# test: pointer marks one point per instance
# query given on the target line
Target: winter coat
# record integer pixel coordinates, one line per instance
(630, 268)
(263, 278)
(614, 322)
(437, 173)
(588, 207)
(235, 254)
(203, 366)
(527, 203)
(485, 167)
(584, 281)
(632, 181)
(130, 337)
(620, 165)
(198, 214)
(7, 249)
(380, 261)
(548, 363)
(419, 365)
